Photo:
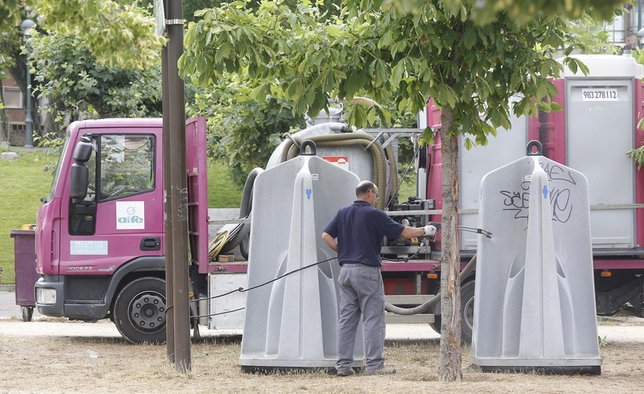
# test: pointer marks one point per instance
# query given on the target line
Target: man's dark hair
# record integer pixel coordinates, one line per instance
(364, 187)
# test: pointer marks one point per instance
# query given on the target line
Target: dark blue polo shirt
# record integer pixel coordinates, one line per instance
(359, 229)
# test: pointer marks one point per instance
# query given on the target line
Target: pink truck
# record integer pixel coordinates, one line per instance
(100, 232)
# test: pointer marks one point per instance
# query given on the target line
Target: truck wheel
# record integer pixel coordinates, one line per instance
(27, 313)
(467, 313)
(139, 311)
(436, 325)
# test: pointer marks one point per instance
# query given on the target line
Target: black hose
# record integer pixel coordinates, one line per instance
(241, 238)
(432, 301)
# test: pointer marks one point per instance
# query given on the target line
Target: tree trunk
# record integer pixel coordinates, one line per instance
(450, 348)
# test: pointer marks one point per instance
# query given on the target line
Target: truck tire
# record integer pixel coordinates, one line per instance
(139, 311)
(436, 325)
(467, 313)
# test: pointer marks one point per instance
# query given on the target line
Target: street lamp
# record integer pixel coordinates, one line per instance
(26, 26)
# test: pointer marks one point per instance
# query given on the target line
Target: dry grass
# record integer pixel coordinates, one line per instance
(65, 365)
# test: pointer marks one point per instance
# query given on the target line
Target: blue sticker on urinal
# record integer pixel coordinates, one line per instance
(545, 191)
(308, 194)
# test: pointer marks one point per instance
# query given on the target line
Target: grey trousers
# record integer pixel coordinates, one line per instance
(361, 292)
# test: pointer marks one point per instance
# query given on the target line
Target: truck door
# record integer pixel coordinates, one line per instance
(121, 217)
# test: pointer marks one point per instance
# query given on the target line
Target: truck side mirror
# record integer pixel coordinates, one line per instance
(83, 150)
(79, 173)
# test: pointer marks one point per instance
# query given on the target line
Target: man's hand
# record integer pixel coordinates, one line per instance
(430, 230)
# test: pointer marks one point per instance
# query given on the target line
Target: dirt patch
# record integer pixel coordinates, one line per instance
(110, 365)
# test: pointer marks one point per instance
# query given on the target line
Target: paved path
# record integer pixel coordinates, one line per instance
(106, 329)
(12, 325)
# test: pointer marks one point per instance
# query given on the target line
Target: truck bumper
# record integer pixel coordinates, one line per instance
(50, 298)
(51, 301)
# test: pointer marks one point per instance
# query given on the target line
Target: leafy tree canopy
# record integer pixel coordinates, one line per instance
(242, 132)
(521, 11)
(117, 34)
(68, 73)
(402, 58)
(9, 14)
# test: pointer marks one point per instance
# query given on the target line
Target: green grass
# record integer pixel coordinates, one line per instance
(22, 184)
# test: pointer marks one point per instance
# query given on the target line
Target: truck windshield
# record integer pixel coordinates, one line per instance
(57, 170)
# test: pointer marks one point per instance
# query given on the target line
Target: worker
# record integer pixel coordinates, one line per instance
(356, 233)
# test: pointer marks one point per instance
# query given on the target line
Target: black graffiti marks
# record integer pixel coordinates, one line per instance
(560, 205)
(556, 172)
(560, 184)
(517, 201)
(560, 180)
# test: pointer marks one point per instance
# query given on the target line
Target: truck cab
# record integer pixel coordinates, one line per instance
(100, 232)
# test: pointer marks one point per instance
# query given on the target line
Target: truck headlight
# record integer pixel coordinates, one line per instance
(46, 296)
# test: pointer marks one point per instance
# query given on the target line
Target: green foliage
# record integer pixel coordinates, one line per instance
(116, 34)
(637, 155)
(242, 133)
(392, 57)
(9, 14)
(8, 47)
(9, 50)
(522, 11)
(591, 36)
(287, 53)
(69, 73)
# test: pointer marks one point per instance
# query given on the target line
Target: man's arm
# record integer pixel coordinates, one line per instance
(329, 240)
(414, 232)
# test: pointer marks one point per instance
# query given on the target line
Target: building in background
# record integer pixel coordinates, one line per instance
(12, 118)
(623, 30)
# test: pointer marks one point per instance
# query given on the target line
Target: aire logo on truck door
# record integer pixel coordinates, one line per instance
(130, 215)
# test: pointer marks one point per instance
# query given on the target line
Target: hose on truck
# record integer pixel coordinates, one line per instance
(380, 158)
(432, 301)
(240, 236)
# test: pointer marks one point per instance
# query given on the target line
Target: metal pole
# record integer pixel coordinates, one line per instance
(639, 15)
(167, 208)
(28, 120)
(178, 188)
(639, 22)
